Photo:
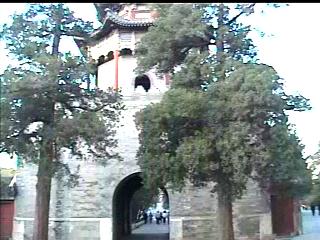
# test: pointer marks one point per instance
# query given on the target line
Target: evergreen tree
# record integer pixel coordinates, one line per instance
(315, 163)
(314, 196)
(44, 106)
(222, 117)
(287, 170)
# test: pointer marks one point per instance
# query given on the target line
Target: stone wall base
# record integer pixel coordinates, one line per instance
(67, 228)
(193, 228)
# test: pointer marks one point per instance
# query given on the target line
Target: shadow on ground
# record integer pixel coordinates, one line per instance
(152, 236)
(150, 231)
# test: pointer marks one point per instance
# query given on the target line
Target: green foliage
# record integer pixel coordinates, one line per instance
(142, 199)
(315, 164)
(224, 119)
(173, 43)
(288, 169)
(145, 198)
(186, 27)
(314, 196)
(43, 98)
(47, 108)
(194, 74)
(169, 122)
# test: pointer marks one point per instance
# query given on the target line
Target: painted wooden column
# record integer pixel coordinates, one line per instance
(116, 58)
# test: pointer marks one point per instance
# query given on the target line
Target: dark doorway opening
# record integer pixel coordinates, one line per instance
(143, 81)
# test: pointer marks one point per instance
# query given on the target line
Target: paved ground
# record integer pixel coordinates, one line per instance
(311, 229)
(311, 226)
(151, 231)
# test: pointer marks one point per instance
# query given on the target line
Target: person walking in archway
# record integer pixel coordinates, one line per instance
(313, 208)
(161, 217)
(164, 216)
(150, 217)
(158, 218)
(145, 217)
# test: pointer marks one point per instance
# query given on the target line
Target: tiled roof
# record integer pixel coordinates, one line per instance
(113, 21)
(111, 16)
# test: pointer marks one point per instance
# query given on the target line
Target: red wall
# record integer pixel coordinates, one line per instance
(6, 218)
(282, 215)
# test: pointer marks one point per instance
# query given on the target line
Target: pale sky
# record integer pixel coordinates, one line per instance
(291, 46)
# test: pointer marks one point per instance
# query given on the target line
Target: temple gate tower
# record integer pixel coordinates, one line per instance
(98, 208)
(192, 212)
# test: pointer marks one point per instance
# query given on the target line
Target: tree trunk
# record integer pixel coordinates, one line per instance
(45, 171)
(220, 37)
(43, 187)
(225, 215)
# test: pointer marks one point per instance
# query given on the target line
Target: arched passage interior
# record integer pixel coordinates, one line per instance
(121, 213)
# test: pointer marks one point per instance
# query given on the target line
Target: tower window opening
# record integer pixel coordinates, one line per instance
(101, 59)
(125, 51)
(110, 56)
(143, 81)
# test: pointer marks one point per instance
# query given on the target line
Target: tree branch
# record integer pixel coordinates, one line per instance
(71, 108)
(194, 43)
(242, 12)
(24, 135)
(83, 35)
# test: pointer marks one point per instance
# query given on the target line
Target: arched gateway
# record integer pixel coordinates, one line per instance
(121, 205)
(98, 207)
